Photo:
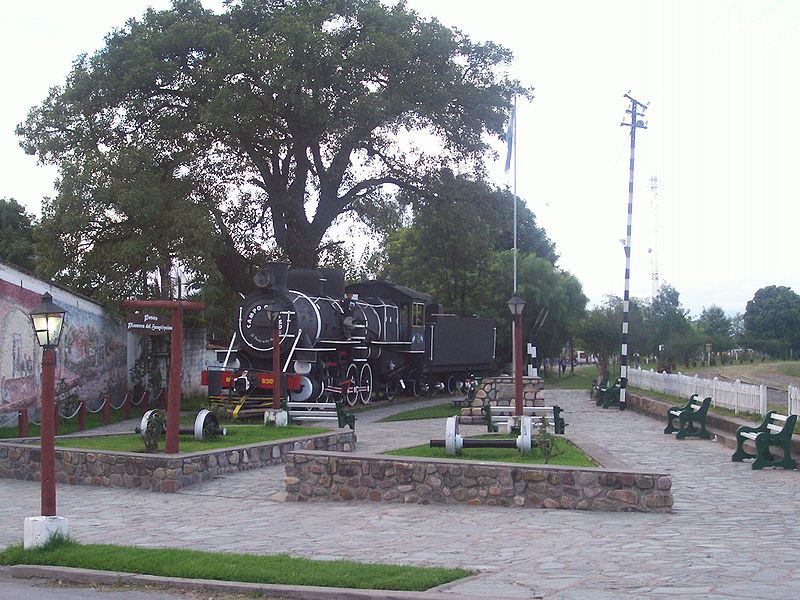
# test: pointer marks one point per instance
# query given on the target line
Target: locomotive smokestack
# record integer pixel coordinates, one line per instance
(272, 275)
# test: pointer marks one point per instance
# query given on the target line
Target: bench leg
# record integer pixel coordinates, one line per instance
(765, 458)
(703, 433)
(740, 453)
(670, 428)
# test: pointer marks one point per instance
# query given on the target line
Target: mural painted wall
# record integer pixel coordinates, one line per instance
(94, 357)
(91, 358)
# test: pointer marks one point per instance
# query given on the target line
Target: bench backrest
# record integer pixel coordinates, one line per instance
(777, 423)
(698, 405)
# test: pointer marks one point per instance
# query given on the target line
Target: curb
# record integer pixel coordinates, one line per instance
(293, 592)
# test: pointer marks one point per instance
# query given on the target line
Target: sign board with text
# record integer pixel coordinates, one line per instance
(145, 323)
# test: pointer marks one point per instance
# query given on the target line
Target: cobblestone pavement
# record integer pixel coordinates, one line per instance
(733, 533)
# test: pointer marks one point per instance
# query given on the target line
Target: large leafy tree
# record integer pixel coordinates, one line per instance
(599, 331)
(773, 314)
(449, 248)
(714, 322)
(716, 328)
(458, 248)
(16, 234)
(295, 113)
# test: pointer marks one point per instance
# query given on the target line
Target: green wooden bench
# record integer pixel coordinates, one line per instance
(597, 385)
(609, 395)
(689, 416)
(775, 430)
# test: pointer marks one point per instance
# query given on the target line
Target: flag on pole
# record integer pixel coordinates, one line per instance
(510, 137)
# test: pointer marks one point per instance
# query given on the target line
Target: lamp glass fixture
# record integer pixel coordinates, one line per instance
(516, 304)
(48, 322)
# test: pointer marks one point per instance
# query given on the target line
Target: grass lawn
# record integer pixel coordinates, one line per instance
(193, 564)
(790, 369)
(580, 380)
(238, 435)
(438, 411)
(569, 454)
(92, 420)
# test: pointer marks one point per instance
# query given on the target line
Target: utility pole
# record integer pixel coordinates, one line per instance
(635, 111)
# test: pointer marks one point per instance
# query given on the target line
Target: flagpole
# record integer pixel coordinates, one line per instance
(513, 141)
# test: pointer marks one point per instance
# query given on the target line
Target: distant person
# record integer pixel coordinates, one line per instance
(562, 363)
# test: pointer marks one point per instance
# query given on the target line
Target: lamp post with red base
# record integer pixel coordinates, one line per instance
(48, 321)
(276, 358)
(516, 305)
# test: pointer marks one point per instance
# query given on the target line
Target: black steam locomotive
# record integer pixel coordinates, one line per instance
(346, 344)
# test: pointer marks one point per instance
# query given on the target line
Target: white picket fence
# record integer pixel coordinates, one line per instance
(794, 400)
(734, 395)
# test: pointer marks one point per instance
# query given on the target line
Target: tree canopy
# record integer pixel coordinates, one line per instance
(449, 248)
(16, 234)
(458, 247)
(773, 314)
(275, 118)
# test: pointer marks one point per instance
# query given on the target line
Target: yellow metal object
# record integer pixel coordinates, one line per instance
(238, 407)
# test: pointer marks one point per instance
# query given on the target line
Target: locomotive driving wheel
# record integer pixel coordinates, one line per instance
(365, 384)
(351, 396)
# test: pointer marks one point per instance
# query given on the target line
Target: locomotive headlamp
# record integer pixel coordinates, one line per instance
(263, 279)
(516, 304)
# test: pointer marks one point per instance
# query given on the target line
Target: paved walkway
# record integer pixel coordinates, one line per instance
(733, 533)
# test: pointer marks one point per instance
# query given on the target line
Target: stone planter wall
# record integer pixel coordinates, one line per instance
(499, 391)
(327, 476)
(159, 472)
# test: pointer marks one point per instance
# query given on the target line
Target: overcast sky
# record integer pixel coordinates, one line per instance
(721, 77)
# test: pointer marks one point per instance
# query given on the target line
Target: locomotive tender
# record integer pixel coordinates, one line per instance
(345, 344)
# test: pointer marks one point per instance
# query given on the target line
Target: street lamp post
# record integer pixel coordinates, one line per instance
(516, 305)
(274, 318)
(48, 321)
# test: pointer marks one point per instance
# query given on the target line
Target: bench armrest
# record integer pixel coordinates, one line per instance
(760, 428)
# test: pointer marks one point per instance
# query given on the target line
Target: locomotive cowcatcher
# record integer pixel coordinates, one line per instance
(343, 344)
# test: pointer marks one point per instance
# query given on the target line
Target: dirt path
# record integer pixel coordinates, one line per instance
(759, 373)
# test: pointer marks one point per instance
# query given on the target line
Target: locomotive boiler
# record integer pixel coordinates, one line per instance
(342, 343)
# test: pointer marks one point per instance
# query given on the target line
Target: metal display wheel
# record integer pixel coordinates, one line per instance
(452, 385)
(452, 440)
(365, 381)
(390, 390)
(525, 437)
(145, 418)
(206, 425)
(351, 397)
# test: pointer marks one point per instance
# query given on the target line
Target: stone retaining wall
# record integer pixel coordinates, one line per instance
(159, 472)
(499, 391)
(329, 476)
(723, 426)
